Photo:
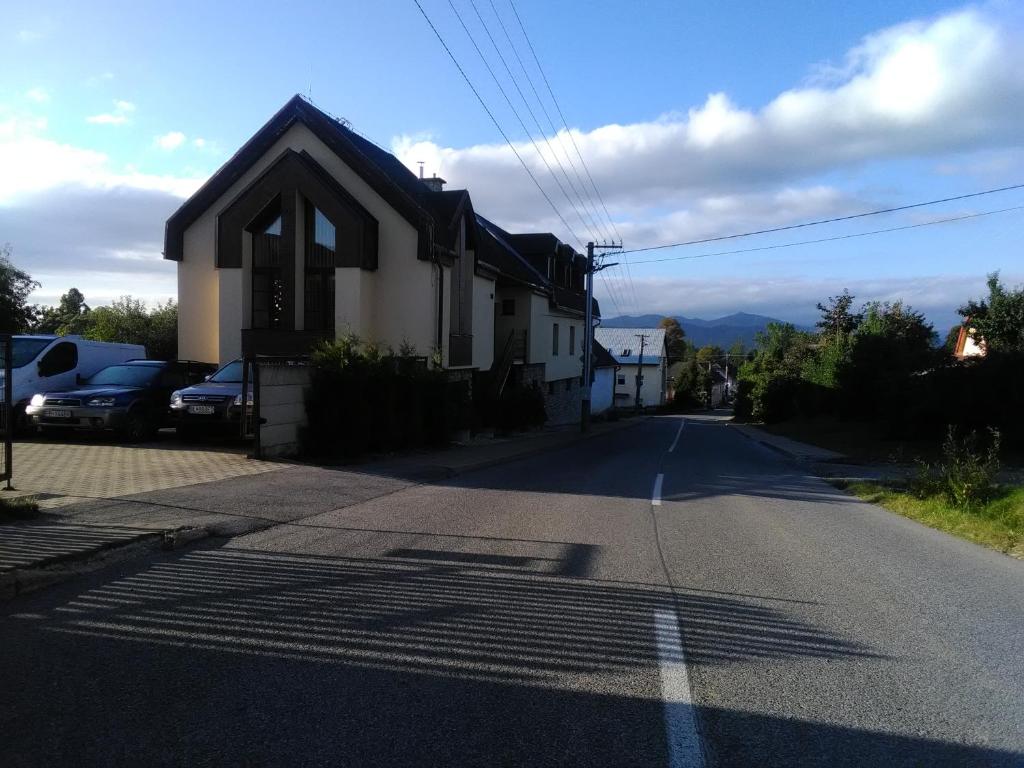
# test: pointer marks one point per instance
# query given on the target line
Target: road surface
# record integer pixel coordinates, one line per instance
(671, 594)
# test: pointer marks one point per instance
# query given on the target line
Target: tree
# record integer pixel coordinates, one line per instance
(127, 320)
(71, 316)
(675, 338)
(836, 317)
(999, 320)
(710, 354)
(951, 339)
(16, 314)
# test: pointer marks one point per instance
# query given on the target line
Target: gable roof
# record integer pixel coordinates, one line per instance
(602, 357)
(619, 341)
(381, 170)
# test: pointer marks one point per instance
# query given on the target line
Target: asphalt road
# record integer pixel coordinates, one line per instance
(542, 612)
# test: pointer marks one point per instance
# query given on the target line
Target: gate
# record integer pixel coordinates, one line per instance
(7, 413)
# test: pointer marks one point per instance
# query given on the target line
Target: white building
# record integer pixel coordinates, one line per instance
(638, 352)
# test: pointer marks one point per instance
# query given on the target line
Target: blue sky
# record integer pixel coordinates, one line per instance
(696, 119)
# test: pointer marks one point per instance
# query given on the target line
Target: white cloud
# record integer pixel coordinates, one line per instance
(920, 89)
(171, 140)
(120, 114)
(199, 143)
(38, 95)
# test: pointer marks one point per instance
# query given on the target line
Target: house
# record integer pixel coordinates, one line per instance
(966, 343)
(643, 361)
(311, 231)
(602, 393)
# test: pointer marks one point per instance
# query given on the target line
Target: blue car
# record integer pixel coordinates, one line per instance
(212, 406)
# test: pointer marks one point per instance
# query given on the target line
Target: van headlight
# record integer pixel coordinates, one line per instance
(36, 401)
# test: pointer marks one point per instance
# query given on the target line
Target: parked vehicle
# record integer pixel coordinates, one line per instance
(211, 406)
(131, 398)
(51, 363)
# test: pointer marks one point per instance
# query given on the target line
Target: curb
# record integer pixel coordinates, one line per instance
(30, 578)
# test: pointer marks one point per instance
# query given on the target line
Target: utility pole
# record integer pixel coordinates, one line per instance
(588, 336)
(640, 368)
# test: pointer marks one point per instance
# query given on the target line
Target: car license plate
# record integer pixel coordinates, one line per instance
(57, 413)
(202, 409)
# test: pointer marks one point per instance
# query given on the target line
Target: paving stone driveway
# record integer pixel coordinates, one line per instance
(68, 471)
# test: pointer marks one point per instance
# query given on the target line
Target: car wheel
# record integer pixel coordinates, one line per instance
(138, 426)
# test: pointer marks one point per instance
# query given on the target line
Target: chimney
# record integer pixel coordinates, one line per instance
(434, 183)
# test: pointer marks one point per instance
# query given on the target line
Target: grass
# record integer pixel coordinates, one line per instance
(997, 523)
(21, 508)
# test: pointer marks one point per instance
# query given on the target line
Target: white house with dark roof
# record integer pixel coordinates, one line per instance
(624, 344)
(311, 231)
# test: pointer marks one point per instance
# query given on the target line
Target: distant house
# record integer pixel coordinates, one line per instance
(602, 394)
(624, 344)
(966, 343)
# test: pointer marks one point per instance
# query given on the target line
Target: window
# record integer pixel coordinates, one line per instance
(621, 380)
(60, 359)
(554, 339)
(627, 352)
(508, 307)
(572, 339)
(319, 271)
(267, 275)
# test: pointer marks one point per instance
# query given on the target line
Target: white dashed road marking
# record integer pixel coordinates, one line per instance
(684, 750)
(682, 423)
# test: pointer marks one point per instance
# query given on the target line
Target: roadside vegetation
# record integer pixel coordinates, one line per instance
(21, 508)
(876, 380)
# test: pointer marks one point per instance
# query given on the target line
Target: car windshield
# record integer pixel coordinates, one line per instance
(229, 374)
(26, 350)
(125, 376)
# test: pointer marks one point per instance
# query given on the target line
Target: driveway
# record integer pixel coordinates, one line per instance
(61, 472)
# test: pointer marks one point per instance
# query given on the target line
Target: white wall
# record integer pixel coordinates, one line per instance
(396, 303)
(651, 393)
(601, 392)
(283, 406)
(564, 365)
(483, 322)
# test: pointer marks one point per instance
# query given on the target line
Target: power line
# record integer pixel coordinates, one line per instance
(830, 239)
(495, 121)
(826, 221)
(591, 209)
(564, 121)
(515, 112)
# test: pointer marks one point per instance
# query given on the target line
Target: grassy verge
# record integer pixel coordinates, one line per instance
(998, 523)
(22, 508)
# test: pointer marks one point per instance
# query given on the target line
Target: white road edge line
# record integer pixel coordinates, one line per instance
(675, 442)
(684, 748)
(656, 494)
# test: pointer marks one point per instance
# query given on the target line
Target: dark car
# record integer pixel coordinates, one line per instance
(131, 398)
(211, 406)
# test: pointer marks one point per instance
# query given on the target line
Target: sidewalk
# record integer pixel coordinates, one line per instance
(86, 535)
(803, 453)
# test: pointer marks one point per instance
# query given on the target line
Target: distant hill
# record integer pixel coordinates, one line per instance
(723, 331)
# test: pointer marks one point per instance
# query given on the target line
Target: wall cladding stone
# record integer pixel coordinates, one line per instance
(562, 400)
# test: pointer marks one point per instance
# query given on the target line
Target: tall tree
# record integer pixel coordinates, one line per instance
(836, 317)
(710, 354)
(71, 316)
(16, 314)
(128, 320)
(998, 321)
(675, 338)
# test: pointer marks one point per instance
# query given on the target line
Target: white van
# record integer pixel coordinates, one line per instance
(48, 363)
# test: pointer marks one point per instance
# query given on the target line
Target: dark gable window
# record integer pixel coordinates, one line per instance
(321, 236)
(267, 273)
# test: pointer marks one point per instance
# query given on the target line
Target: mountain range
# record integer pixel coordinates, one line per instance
(722, 332)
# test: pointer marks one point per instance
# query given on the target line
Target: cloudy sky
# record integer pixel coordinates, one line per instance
(695, 120)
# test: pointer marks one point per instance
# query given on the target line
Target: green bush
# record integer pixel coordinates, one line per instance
(968, 472)
(363, 401)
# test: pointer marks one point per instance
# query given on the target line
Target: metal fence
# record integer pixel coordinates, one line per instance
(7, 412)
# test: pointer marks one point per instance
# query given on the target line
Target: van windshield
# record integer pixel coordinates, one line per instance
(125, 376)
(229, 374)
(27, 350)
